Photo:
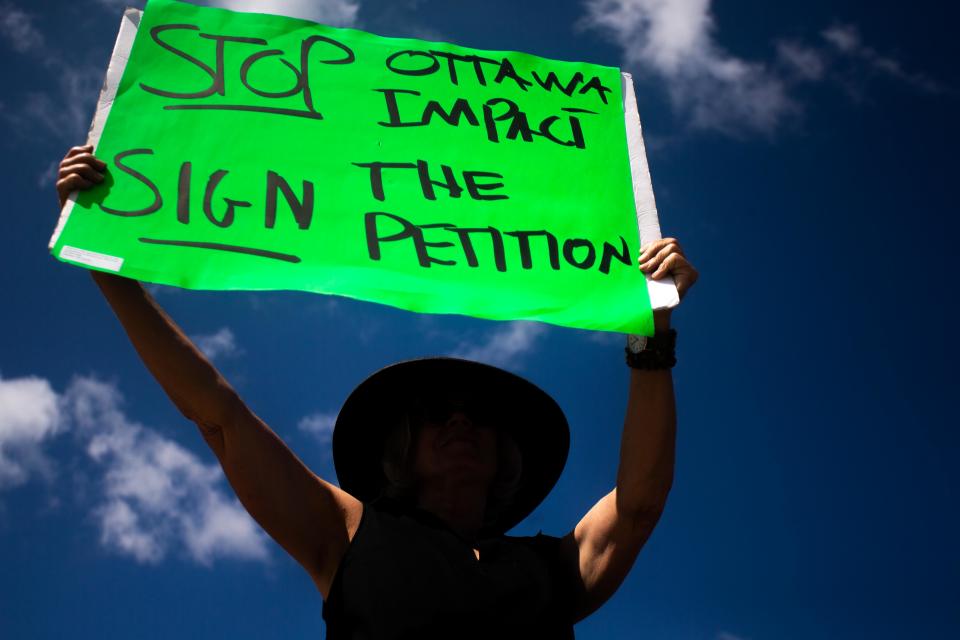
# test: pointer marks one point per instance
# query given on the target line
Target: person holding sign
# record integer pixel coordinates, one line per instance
(437, 458)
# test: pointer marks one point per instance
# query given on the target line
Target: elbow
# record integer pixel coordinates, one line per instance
(647, 516)
(212, 416)
(643, 511)
(214, 409)
(642, 521)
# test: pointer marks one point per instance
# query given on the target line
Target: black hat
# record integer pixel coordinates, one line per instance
(531, 417)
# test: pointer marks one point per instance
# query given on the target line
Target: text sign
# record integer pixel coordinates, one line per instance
(249, 151)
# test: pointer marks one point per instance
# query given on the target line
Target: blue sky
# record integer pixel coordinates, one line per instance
(804, 155)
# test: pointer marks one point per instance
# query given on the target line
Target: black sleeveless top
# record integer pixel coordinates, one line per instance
(407, 575)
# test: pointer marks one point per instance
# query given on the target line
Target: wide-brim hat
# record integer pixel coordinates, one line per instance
(527, 413)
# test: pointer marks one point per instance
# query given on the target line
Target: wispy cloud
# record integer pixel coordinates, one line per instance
(676, 42)
(726, 635)
(319, 425)
(338, 13)
(604, 337)
(806, 62)
(505, 346)
(217, 345)
(18, 30)
(64, 110)
(29, 417)
(157, 495)
(162, 289)
(49, 175)
(846, 41)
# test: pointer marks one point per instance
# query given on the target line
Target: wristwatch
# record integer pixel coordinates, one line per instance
(651, 353)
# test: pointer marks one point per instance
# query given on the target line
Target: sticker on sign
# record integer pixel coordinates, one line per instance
(91, 258)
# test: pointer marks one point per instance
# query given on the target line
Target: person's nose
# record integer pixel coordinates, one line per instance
(459, 418)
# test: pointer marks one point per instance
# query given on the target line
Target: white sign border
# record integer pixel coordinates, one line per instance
(663, 293)
(108, 93)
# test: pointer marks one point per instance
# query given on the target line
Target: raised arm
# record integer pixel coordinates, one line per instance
(606, 541)
(310, 518)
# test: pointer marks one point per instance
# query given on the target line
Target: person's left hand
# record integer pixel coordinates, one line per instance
(662, 258)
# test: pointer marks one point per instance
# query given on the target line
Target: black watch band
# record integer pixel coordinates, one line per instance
(658, 352)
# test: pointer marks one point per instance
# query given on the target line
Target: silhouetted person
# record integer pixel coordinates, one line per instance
(436, 458)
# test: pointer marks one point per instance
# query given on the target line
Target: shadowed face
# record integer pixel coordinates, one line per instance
(456, 440)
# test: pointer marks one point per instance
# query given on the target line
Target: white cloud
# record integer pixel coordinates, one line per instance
(505, 346)
(605, 338)
(64, 110)
(338, 13)
(29, 417)
(674, 40)
(157, 495)
(845, 38)
(725, 635)
(807, 62)
(48, 176)
(319, 425)
(846, 41)
(161, 289)
(121, 528)
(17, 28)
(220, 344)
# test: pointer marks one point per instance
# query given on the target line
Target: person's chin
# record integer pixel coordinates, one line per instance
(466, 463)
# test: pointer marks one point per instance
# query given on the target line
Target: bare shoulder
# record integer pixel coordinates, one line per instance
(330, 556)
(311, 518)
(601, 549)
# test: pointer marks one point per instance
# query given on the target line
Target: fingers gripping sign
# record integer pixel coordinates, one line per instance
(664, 258)
(79, 170)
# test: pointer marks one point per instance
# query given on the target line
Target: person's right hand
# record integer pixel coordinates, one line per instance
(79, 170)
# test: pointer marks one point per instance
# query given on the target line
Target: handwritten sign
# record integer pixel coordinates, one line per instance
(251, 151)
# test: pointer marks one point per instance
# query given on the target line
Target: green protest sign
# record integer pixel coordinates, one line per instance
(251, 151)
